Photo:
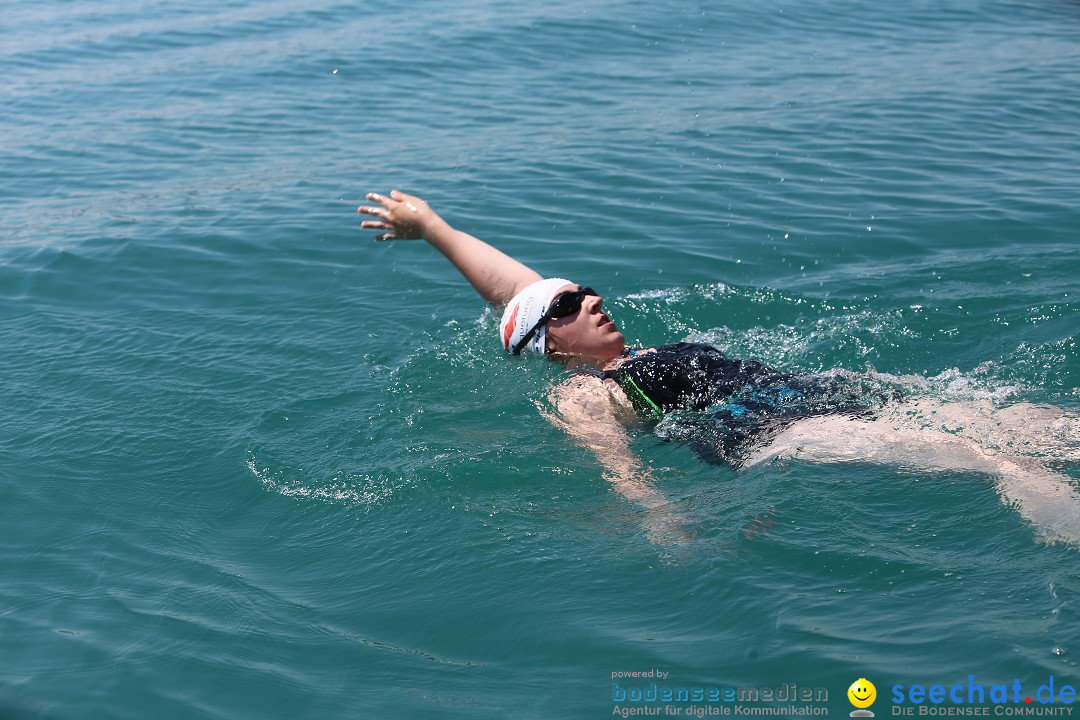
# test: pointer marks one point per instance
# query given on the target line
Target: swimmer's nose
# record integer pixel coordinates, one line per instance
(594, 303)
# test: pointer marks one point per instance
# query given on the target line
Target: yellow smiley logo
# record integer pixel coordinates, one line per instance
(862, 693)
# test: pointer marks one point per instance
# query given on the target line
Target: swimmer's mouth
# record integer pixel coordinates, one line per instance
(605, 321)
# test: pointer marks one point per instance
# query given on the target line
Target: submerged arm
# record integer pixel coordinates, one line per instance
(586, 413)
(494, 274)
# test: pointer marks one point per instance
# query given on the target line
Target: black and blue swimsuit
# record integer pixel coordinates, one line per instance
(722, 405)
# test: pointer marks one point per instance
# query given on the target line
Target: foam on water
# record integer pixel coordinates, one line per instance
(352, 490)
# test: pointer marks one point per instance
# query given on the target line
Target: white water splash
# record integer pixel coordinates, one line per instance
(354, 490)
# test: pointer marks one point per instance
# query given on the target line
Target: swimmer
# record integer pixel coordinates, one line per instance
(738, 412)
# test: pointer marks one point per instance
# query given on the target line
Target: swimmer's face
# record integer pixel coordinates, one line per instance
(588, 333)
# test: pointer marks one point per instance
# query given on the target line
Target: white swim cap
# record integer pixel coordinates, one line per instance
(525, 310)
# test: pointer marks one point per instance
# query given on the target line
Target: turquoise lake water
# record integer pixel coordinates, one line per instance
(255, 465)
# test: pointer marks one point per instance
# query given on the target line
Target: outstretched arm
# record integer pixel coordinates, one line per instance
(494, 274)
(586, 413)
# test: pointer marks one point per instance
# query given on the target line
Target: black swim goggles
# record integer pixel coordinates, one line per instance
(565, 304)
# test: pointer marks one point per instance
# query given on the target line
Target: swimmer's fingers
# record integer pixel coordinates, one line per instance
(376, 211)
(405, 215)
(376, 225)
(381, 199)
(385, 212)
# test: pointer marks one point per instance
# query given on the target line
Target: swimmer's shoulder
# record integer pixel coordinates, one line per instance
(597, 392)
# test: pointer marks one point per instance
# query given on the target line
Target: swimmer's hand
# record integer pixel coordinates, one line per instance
(494, 274)
(406, 217)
